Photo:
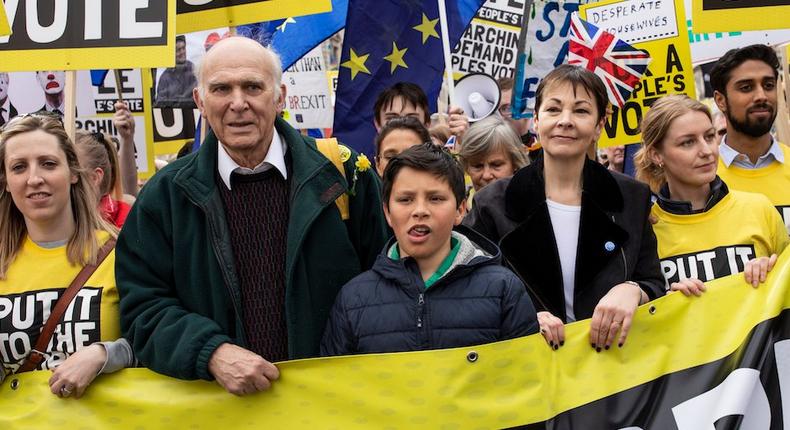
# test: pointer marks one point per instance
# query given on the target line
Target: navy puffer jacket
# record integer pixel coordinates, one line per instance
(388, 309)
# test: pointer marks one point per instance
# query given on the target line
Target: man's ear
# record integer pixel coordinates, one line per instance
(377, 124)
(281, 100)
(721, 101)
(198, 101)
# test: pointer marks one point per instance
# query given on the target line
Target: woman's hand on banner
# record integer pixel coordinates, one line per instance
(688, 287)
(552, 328)
(71, 378)
(756, 270)
(613, 315)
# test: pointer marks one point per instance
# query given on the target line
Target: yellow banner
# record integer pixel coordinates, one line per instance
(81, 37)
(5, 29)
(197, 18)
(660, 29)
(510, 383)
(714, 16)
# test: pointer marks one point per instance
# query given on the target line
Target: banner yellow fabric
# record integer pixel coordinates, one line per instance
(510, 383)
(252, 12)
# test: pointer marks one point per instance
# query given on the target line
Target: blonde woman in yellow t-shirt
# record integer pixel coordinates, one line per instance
(50, 230)
(704, 230)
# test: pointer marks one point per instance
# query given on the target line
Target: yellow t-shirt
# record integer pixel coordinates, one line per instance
(719, 242)
(36, 280)
(772, 181)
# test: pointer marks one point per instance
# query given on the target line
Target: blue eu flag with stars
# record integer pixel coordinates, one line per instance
(292, 38)
(387, 42)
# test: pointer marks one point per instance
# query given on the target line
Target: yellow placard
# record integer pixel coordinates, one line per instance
(714, 16)
(663, 33)
(5, 29)
(261, 11)
(83, 58)
(504, 384)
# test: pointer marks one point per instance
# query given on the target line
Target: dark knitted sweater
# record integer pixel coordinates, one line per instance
(257, 212)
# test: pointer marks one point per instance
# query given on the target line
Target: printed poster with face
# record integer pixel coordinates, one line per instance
(27, 92)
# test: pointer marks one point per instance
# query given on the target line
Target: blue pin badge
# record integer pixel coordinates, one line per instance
(609, 246)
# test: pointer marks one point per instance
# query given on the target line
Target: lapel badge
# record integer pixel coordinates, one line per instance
(609, 246)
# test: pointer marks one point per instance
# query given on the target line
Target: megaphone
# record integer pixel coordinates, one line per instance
(478, 95)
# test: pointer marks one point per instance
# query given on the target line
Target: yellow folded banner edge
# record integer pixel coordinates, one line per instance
(248, 14)
(5, 28)
(510, 383)
(739, 18)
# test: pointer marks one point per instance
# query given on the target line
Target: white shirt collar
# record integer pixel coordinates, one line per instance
(49, 108)
(729, 155)
(274, 158)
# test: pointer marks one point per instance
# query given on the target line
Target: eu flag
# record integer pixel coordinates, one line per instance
(386, 42)
(292, 38)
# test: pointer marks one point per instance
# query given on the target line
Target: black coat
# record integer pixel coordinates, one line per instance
(388, 309)
(614, 211)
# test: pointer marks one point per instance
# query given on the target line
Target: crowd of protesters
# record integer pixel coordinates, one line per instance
(264, 245)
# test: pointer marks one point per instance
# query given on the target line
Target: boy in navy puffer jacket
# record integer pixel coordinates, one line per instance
(432, 287)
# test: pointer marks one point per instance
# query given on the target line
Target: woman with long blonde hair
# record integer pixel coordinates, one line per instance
(51, 233)
(704, 230)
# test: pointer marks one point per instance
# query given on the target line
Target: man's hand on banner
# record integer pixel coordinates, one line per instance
(457, 121)
(757, 269)
(613, 314)
(123, 121)
(71, 378)
(240, 371)
(552, 328)
(688, 287)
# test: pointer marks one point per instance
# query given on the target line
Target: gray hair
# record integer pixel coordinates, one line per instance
(276, 64)
(489, 135)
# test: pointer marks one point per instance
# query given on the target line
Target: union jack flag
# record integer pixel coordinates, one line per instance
(617, 63)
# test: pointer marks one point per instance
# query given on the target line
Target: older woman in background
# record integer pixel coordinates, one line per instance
(491, 150)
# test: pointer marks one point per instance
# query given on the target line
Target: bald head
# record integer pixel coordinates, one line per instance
(236, 47)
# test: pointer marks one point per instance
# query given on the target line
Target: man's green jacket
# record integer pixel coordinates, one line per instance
(175, 269)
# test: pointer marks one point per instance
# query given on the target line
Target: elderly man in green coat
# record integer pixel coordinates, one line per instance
(231, 258)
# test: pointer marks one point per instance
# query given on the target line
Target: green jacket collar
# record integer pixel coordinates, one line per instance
(197, 177)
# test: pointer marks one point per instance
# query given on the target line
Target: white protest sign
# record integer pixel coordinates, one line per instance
(308, 101)
(636, 22)
(490, 43)
(546, 48)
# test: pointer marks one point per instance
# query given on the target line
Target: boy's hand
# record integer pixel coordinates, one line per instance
(552, 328)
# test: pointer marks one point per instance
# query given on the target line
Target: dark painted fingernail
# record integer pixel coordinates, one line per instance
(620, 345)
(551, 344)
(562, 343)
(598, 349)
(592, 345)
(606, 347)
(555, 347)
